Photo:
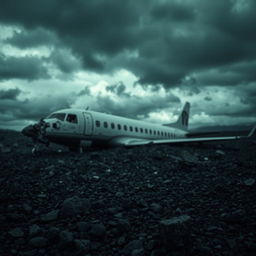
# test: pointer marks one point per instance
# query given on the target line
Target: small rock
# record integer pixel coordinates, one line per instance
(121, 241)
(119, 194)
(38, 242)
(132, 246)
(73, 206)
(98, 230)
(95, 177)
(83, 226)
(155, 207)
(50, 216)
(53, 233)
(66, 238)
(6, 149)
(220, 152)
(83, 246)
(16, 233)
(237, 216)
(249, 182)
(27, 208)
(34, 230)
(175, 232)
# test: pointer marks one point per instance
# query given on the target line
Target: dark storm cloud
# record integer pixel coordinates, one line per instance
(25, 39)
(10, 94)
(173, 39)
(12, 108)
(29, 68)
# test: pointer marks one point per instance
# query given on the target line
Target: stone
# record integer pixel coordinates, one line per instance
(133, 247)
(6, 149)
(38, 242)
(83, 226)
(53, 233)
(50, 216)
(66, 237)
(74, 206)
(234, 217)
(16, 232)
(83, 246)
(155, 207)
(34, 230)
(98, 230)
(27, 208)
(249, 182)
(175, 233)
(220, 152)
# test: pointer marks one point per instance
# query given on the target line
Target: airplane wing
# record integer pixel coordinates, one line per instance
(129, 142)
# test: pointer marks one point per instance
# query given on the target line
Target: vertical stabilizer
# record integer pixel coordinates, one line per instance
(182, 122)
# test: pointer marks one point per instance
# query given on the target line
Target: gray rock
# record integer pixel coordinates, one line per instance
(98, 230)
(53, 233)
(16, 232)
(237, 216)
(34, 230)
(83, 246)
(66, 237)
(38, 242)
(220, 152)
(27, 208)
(155, 207)
(50, 216)
(175, 233)
(132, 247)
(74, 206)
(249, 182)
(83, 226)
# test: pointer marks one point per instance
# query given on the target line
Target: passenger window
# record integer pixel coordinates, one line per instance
(131, 129)
(105, 125)
(146, 130)
(150, 131)
(125, 127)
(71, 118)
(97, 123)
(158, 133)
(136, 129)
(141, 130)
(112, 126)
(162, 133)
(119, 126)
(154, 132)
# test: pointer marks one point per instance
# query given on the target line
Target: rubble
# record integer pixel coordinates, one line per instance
(158, 200)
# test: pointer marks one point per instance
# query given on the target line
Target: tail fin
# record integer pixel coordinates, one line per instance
(182, 122)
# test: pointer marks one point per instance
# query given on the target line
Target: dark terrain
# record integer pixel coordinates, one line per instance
(124, 201)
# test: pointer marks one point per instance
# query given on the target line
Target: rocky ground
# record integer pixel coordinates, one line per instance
(156, 200)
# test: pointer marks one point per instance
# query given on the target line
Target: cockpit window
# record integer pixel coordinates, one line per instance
(60, 116)
(72, 118)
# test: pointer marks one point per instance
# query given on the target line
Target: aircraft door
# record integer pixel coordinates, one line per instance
(88, 126)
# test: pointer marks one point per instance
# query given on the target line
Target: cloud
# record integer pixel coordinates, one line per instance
(23, 38)
(24, 68)
(172, 40)
(10, 94)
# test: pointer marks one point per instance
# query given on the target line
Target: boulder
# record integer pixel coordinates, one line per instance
(74, 206)
(175, 233)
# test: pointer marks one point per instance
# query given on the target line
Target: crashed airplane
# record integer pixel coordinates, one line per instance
(78, 128)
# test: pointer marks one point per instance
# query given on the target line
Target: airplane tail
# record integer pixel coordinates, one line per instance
(182, 122)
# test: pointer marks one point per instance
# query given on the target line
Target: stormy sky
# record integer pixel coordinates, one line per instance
(137, 58)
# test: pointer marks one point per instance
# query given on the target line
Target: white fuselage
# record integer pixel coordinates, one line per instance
(96, 127)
